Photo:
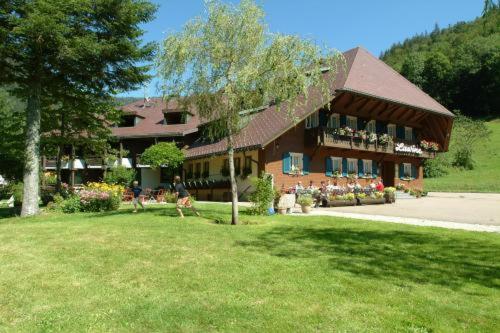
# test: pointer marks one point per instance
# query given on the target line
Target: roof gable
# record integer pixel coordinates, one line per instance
(371, 76)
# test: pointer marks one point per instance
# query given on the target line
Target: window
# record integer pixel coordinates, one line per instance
(367, 166)
(237, 166)
(127, 121)
(334, 121)
(248, 163)
(407, 170)
(352, 165)
(313, 120)
(296, 160)
(370, 126)
(336, 165)
(197, 173)
(391, 130)
(189, 173)
(206, 169)
(408, 134)
(352, 122)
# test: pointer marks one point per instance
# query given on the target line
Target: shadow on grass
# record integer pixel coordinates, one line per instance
(398, 256)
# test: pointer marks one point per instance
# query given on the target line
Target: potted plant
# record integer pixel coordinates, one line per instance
(337, 174)
(390, 194)
(348, 199)
(305, 202)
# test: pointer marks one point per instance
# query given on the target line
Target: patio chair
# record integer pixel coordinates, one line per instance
(160, 196)
(128, 195)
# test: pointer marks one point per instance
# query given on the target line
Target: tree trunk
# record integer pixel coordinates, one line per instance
(31, 164)
(234, 188)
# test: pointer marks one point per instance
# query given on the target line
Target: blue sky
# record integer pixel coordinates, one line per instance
(342, 25)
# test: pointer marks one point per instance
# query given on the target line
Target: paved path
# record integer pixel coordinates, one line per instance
(467, 211)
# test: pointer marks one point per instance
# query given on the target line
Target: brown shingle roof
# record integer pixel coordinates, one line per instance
(371, 76)
(363, 73)
(151, 123)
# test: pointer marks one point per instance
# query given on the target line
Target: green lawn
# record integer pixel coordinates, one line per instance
(153, 272)
(486, 175)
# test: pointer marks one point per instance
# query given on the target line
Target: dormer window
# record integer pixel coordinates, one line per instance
(175, 117)
(129, 121)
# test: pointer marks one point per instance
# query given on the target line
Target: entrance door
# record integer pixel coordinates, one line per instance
(388, 173)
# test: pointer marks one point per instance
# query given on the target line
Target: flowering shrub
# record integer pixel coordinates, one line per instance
(98, 201)
(115, 189)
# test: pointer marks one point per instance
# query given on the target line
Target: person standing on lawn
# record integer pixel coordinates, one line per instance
(137, 192)
(183, 197)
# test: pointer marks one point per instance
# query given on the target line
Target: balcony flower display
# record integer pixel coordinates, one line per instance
(429, 145)
(361, 134)
(372, 138)
(346, 130)
(385, 139)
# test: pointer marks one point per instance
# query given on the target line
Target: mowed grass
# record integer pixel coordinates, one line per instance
(486, 175)
(152, 272)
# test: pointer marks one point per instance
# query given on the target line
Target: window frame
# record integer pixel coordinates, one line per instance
(300, 159)
(404, 170)
(365, 163)
(339, 160)
(369, 124)
(206, 168)
(408, 130)
(335, 116)
(355, 161)
(354, 121)
(391, 127)
(312, 121)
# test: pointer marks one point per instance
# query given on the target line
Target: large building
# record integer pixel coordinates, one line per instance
(378, 125)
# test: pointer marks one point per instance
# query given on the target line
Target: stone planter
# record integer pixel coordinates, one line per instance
(306, 209)
(282, 211)
(372, 201)
(341, 203)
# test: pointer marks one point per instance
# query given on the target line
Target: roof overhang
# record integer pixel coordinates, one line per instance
(364, 94)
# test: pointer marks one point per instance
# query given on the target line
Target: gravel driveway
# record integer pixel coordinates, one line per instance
(470, 208)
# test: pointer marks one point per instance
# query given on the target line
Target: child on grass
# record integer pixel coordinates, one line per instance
(183, 198)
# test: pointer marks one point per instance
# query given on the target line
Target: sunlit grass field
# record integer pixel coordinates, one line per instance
(486, 175)
(151, 272)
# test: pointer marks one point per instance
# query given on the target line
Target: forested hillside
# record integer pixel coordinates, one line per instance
(459, 65)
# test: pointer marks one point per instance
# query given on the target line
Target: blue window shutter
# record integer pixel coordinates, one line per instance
(344, 167)
(305, 164)
(400, 132)
(401, 171)
(361, 124)
(328, 166)
(322, 118)
(414, 171)
(414, 134)
(374, 169)
(287, 162)
(343, 120)
(381, 127)
(360, 168)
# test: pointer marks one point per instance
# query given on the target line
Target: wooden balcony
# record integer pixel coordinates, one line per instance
(95, 162)
(322, 137)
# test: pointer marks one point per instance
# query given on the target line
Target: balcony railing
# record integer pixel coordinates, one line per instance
(327, 138)
(87, 163)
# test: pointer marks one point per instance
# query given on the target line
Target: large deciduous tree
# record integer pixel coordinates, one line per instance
(49, 48)
(227, 61)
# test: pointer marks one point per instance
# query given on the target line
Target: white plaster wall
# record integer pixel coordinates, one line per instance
(150, 178)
